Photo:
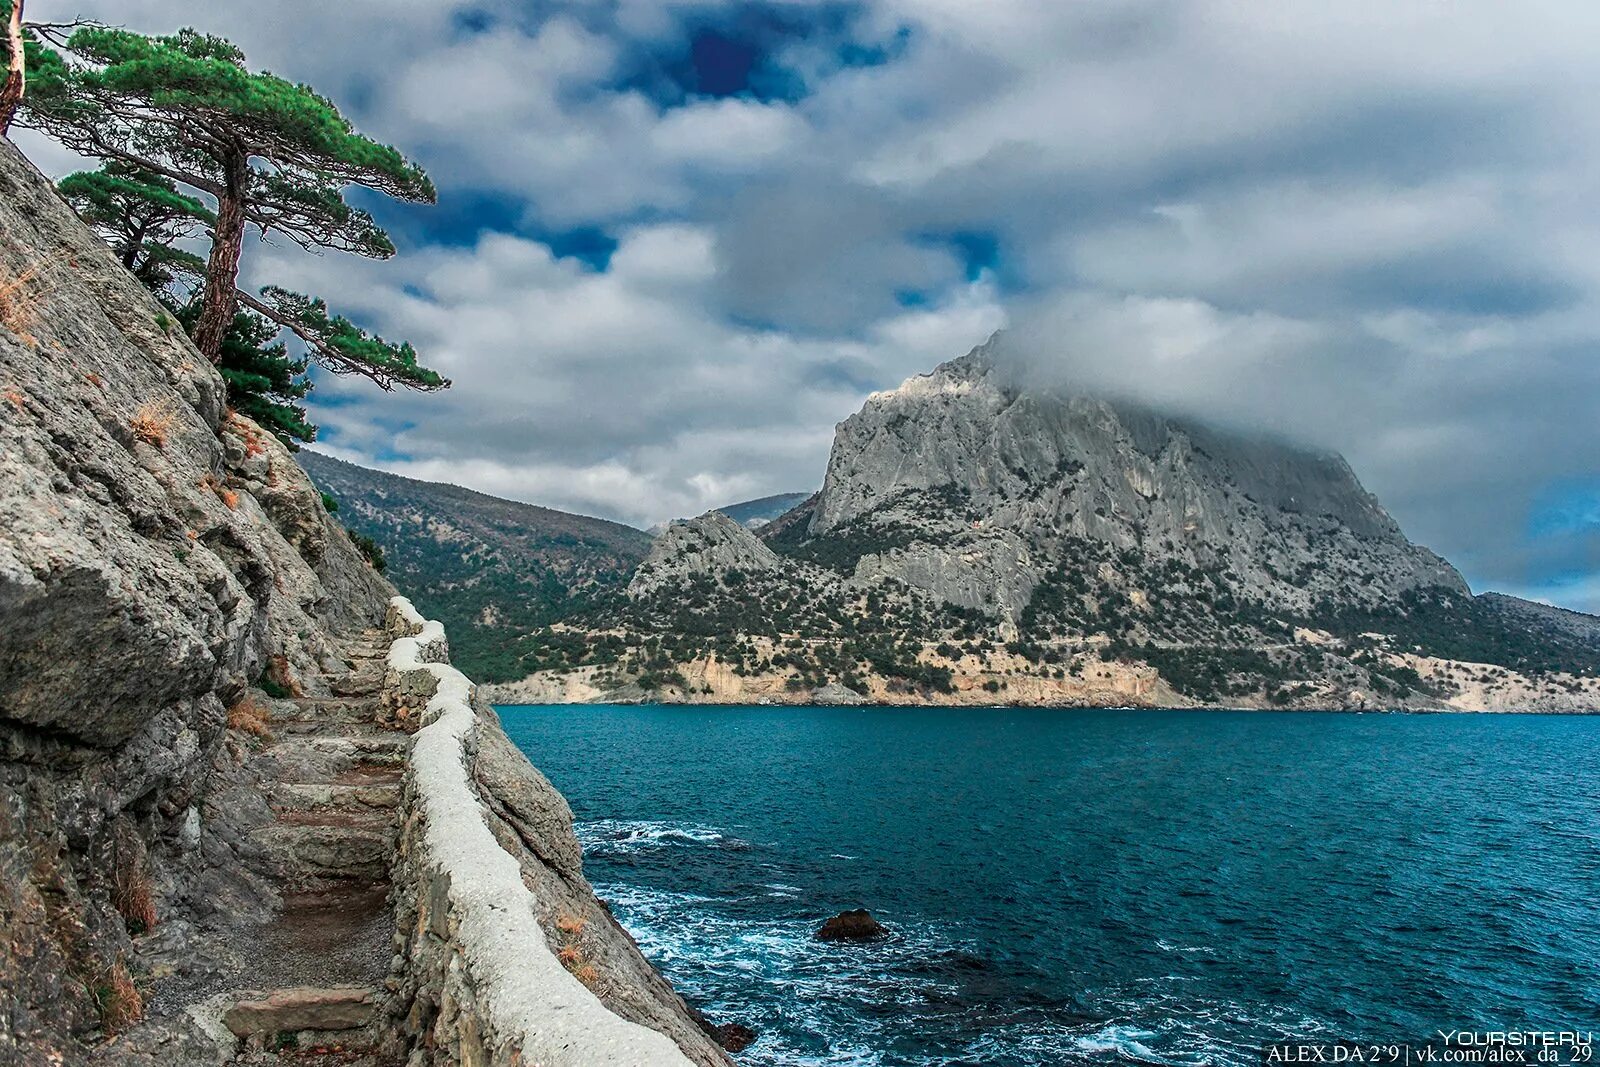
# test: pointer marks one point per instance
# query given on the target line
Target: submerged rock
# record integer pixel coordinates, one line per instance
(734, 1037)
(856, 925)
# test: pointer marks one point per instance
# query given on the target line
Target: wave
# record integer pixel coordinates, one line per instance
(619, 837)
(928, 981)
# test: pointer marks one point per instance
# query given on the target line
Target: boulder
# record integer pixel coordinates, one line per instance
(735, 1037)
(856, 925)
(836, 693)
(301, 1008)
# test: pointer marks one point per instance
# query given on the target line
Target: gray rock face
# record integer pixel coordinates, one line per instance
(836, 694)
(993, 484)
(712, 544)
(157, 556)
(1534, 616)
(161, 558)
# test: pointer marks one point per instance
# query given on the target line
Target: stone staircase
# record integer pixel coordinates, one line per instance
(335, 767)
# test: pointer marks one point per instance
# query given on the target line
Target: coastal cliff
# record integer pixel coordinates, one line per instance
(220, 800)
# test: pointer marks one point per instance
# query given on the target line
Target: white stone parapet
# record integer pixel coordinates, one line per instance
(483, 980)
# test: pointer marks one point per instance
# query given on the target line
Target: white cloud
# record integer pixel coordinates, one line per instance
(730, 132)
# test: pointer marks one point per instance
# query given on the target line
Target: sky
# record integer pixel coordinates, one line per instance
(678, 240)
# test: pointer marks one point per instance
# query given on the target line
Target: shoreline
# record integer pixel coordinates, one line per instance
(1133, 709)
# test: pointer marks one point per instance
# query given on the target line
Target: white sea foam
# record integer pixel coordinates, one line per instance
(614, 837)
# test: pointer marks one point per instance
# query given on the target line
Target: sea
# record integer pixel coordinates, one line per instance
(1093, 886)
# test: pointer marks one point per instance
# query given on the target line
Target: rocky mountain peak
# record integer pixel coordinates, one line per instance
(968, 485)
(712, 545)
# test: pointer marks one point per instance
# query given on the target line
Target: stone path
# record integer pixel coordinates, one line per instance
(335, 770)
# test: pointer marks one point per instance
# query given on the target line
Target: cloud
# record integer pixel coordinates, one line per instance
(1370, 227)
(617, 393)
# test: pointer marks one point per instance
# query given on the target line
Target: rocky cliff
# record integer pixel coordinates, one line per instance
(974, 488)
(201, 752)
(977, 541)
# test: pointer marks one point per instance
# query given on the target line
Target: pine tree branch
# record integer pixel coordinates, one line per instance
(327, 355)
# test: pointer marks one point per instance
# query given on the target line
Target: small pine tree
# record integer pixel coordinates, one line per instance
(264, 381)
(142, 216)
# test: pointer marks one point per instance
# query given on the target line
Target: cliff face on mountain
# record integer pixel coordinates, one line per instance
(973, 488)
(200, 752)
(158, 558)
(979, 541)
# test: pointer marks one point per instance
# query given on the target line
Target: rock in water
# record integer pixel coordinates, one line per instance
(856, 925)
(735, 1037)
(835, 693)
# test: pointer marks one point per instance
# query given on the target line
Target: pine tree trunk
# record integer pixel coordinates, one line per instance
(17, 75)
(222, 269)
(131, 250)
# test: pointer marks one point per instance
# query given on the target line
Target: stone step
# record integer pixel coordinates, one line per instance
(367, 681)
(288, 1011)
(308, 796)
(302, 727)
(309, 781)
(329, 709)
(370, 774)
(335, 753)
(344, 850)
(362, 818)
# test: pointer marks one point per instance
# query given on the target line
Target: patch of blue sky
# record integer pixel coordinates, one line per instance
(747, 50)
(1566, 508)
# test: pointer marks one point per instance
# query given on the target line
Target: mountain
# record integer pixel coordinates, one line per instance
(980, 540)
(492, 570)
(755, 514)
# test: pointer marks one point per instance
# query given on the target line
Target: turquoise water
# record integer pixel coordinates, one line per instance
(1093, 886)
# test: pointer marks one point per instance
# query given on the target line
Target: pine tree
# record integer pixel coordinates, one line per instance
(273, 155)
(22, 51)
(264, 381)
(142, 216)
(16, 62)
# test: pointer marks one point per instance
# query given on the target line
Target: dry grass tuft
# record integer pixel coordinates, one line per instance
(131, 896)
(120, 1003)
(224, 494)
(19, 305)
(95, 380)
(281, 675)
(571, 954)
(153, 422)
(248, 717)
(16, 399)
(254, 445)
